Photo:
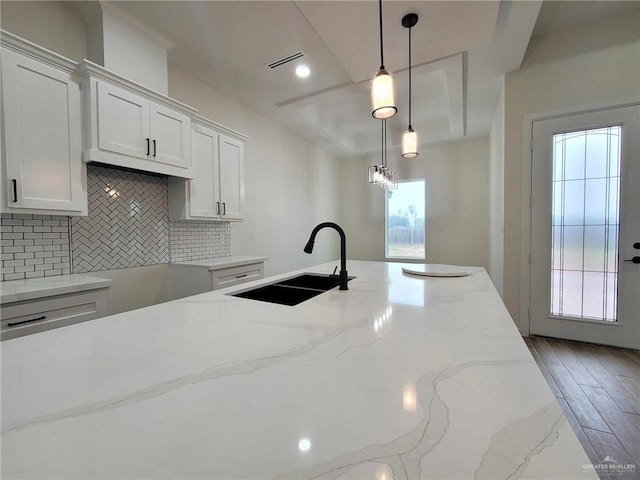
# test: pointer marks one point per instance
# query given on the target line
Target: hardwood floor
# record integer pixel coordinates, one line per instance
(599, 390)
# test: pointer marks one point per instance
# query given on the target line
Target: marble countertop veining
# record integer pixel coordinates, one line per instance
(223, 262)
(398, 377)
(31, 288)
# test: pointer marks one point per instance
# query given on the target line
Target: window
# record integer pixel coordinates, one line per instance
(405, 216)
(586, 198)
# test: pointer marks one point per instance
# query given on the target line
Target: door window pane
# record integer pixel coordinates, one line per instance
(585, 205)
(405, 220)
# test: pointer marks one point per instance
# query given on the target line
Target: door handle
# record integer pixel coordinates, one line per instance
(14, 184)
(217, 208)
(636, 245)
(634, 260)
(14, 324)
(148, 147)
(224, 208)
(154, 147)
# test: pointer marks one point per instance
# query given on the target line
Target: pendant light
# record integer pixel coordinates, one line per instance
(381, 175)
(410, 137)
(383, 95)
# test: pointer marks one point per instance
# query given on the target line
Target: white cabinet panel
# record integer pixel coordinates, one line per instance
(217, 189)
(33, 316)
(204, 188)
(123, 121)
(42, 136)
(231, 158)
(169, 136)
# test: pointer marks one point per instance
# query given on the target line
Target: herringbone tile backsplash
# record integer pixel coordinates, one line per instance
(127, 226)
(128, 222)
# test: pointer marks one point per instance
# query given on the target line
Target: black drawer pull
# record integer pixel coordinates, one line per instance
(154, 148)
(148, 147)
(14, 184)
(224, 208)
(242, 276)
(13, 324)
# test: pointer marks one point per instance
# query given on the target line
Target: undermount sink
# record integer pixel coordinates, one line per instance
(292, 291)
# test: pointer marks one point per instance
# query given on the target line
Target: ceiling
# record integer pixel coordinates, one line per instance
(559, 15)
(460, 51)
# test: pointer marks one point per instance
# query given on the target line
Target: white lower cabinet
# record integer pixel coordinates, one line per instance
(228, 277)
(190, 280)
(216, 191)
(32, 316)
(41, 121)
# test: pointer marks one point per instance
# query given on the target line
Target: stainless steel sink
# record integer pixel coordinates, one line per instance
(292, 291)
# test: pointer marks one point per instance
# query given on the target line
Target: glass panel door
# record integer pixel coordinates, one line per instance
(585, 225)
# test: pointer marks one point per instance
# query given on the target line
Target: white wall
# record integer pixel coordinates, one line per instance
(457, 184)
(57, 26)
(496, 194)
(579, 66)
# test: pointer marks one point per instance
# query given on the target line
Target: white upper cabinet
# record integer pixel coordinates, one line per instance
(217, 189)
(123, 121)
(231, 158)
(41, 119)
(130, 126)
(170, 136)
(203, 190)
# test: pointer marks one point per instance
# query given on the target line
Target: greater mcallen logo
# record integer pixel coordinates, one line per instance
(610, 465)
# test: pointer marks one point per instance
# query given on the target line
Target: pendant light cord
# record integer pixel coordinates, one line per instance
(381, 46)
(384, 142)
(409, 77)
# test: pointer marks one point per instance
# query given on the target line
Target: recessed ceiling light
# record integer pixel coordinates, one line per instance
(303, 71)
(304, 444)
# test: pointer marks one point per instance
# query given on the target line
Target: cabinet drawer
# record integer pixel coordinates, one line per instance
(24, 318)
(229, 277)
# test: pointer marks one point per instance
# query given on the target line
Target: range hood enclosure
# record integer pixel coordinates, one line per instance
(127, 47)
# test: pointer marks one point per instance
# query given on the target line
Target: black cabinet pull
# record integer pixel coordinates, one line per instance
(217, 208)
(634, 260)
(154, 147)
(224, 208)
(14, 184)
(148, 147)
(242, 276)
(13, 324)
(636, 245)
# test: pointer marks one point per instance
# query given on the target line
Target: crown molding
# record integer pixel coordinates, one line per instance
(87, 69)
(29, 49)
(205, 122)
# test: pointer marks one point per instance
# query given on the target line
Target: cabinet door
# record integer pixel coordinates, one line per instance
(203, 189)
(42, 135)
(231, 158)
(123, 121)
(170, 136)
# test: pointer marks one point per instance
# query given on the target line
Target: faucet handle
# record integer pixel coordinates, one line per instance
(334, 272)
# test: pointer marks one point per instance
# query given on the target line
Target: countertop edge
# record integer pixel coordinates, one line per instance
(233, 262)
(92, 283)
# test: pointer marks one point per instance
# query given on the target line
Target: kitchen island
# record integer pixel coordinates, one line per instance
(399, 377)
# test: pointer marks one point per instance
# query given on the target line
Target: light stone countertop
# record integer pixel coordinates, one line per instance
(224, 262)
(399, 377)
(32, 288)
